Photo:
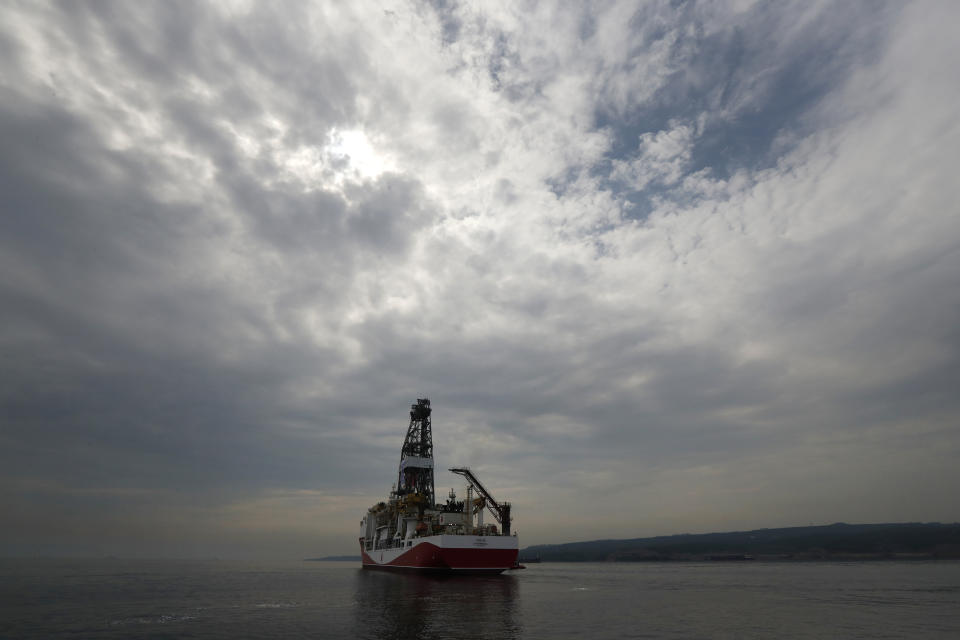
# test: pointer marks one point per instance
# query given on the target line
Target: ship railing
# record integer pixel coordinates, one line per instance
(386, 544)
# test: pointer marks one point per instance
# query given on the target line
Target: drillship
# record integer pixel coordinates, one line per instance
(412, 532)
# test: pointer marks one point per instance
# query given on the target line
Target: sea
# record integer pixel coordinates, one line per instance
(114, 598)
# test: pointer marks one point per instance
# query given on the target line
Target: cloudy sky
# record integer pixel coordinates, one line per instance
(660, 267)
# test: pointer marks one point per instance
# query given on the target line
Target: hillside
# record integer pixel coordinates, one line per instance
(838, 541)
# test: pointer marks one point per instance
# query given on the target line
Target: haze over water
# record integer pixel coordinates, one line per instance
(166, 599)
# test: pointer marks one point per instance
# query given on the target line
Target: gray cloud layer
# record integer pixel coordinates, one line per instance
(675, 268)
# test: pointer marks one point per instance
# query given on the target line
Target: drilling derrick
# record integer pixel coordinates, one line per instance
(416, 457)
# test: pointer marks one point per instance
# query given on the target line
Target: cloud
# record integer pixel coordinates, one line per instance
(689, 262)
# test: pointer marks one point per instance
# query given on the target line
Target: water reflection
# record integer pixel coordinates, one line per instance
(403, 605)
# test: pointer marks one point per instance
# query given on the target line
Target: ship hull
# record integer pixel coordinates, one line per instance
(447, 554)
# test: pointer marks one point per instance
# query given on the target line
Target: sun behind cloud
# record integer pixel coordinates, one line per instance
(359, 155)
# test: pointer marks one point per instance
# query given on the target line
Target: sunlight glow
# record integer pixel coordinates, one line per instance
(355, 148)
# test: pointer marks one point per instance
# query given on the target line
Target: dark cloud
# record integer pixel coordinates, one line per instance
(447, 14)
(129, 350)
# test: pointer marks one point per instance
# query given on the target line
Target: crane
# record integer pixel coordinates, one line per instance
(500, 510)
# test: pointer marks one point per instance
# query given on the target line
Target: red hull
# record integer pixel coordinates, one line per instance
(429, 557)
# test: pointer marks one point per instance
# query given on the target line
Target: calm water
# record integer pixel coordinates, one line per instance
(169, 599)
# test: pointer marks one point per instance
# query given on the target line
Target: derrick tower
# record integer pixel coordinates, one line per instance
(416, 457)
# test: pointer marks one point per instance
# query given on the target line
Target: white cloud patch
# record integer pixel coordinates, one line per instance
(662, 157)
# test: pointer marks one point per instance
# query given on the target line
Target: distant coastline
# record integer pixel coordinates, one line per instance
(334, 559)
(834, 542)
